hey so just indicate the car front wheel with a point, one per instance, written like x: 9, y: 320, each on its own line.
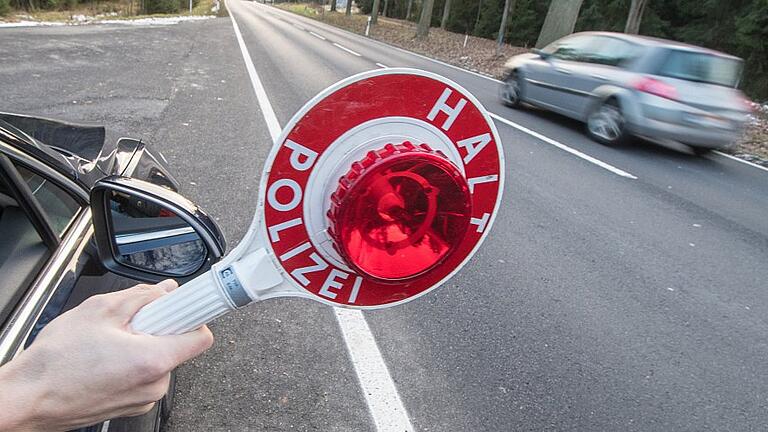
x: 606, y: 124
x: 511, y: 91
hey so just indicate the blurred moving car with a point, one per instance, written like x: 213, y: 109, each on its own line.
x: 627, y: 85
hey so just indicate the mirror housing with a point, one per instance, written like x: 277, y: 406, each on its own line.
x: 542, y: 54
x: 147, y: 232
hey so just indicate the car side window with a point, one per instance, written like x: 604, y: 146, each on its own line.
x: 60, y: 207
x: 574, y: 48
x: 23, y: 251
x: 610, y: 51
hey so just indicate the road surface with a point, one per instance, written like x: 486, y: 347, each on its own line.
x: 621, y: 289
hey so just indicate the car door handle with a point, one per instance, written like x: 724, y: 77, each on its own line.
x: 600, y: 77
x: 565, y: 71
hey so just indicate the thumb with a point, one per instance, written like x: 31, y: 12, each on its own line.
x: 180, y: 348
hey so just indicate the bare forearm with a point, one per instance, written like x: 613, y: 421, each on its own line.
x: 18, y: 399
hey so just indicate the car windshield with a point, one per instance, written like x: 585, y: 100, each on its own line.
x: 702, y: 67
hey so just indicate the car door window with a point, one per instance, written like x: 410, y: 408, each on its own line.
x: 59, y: 206
x: 572, y: 49
x: 610, y: 51
x: 22, y: 249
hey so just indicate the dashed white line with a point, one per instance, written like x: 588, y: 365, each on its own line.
x: 292, y: 15
x: 741, y: 160
x: 298, y: 26
x: 381, y: 396
x: 564, y: 147
x: 382, y: 65
x: 346, y: 49
x: 316, y: 35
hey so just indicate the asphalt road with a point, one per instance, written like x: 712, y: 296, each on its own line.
x: 599, y: 302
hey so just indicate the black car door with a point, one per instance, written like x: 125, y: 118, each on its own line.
x: 47, y: 257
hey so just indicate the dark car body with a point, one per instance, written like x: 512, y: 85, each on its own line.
x: 49, y: 260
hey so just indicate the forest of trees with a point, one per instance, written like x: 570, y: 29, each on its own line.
x: 738, y: 27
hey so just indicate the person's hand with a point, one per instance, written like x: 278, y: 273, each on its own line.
x: 88, y: 365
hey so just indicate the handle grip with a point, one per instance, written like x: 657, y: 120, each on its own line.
x: 184, y: 309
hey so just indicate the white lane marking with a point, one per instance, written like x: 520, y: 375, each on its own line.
x: 298, y: 27
x: 741, y: 160
x: 316, y: 35
x: 380, y: 393
x: 330, y: 28
x: 346, y: 49
x: 384, y: 403
x: 562, y: 146
x: 261, y: 95
x: 382, y: 65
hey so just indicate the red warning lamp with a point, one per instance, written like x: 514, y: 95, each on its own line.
x: 399, y: 212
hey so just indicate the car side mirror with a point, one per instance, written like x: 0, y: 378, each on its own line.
x: 148, y: 232
x: 542, y: 54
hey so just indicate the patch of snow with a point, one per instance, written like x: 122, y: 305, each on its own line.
x: 85, y: 19
x: 25, y: 23
x: 81, y: 18
x: 156, y: 20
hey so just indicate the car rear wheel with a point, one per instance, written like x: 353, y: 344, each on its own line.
x: 701, y: 151
x: 606, y: 124
x: 511, y: 94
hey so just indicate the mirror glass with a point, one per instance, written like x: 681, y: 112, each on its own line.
x: 147, y: 236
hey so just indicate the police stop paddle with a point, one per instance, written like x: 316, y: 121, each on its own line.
x: 377, y: 191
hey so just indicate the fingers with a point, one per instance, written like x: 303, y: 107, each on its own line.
x: 168, y: 285
x: 133, y: 299
x: 136, y: 410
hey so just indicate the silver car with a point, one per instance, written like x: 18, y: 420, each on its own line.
x: 626, y: 85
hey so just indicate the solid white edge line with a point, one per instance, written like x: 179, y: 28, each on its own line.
x: 381, y: 65
x: 564, y: 147
x: 741, y: 160
x: 381, y: 396
x: 346, y: 49
x: 387, y: 409
x: 261, y: 95
x: 316, y: 35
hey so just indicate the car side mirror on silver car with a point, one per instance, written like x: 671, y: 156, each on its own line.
x: 148, y: 232
x: 542, y: 54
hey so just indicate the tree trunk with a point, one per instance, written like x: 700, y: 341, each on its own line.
x: 333, y: 5
x: 375, y: 11
x: 509, y: 6
x: 408, y: 11
x: 422, y: 31
x: 477, y: 20
x: 446, y: 14
x: 560, y: 20
x: 349, y: 7
x: 386, y: 7
x: 636, y: 10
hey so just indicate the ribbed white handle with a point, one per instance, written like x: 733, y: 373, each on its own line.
x: 184, y: 309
